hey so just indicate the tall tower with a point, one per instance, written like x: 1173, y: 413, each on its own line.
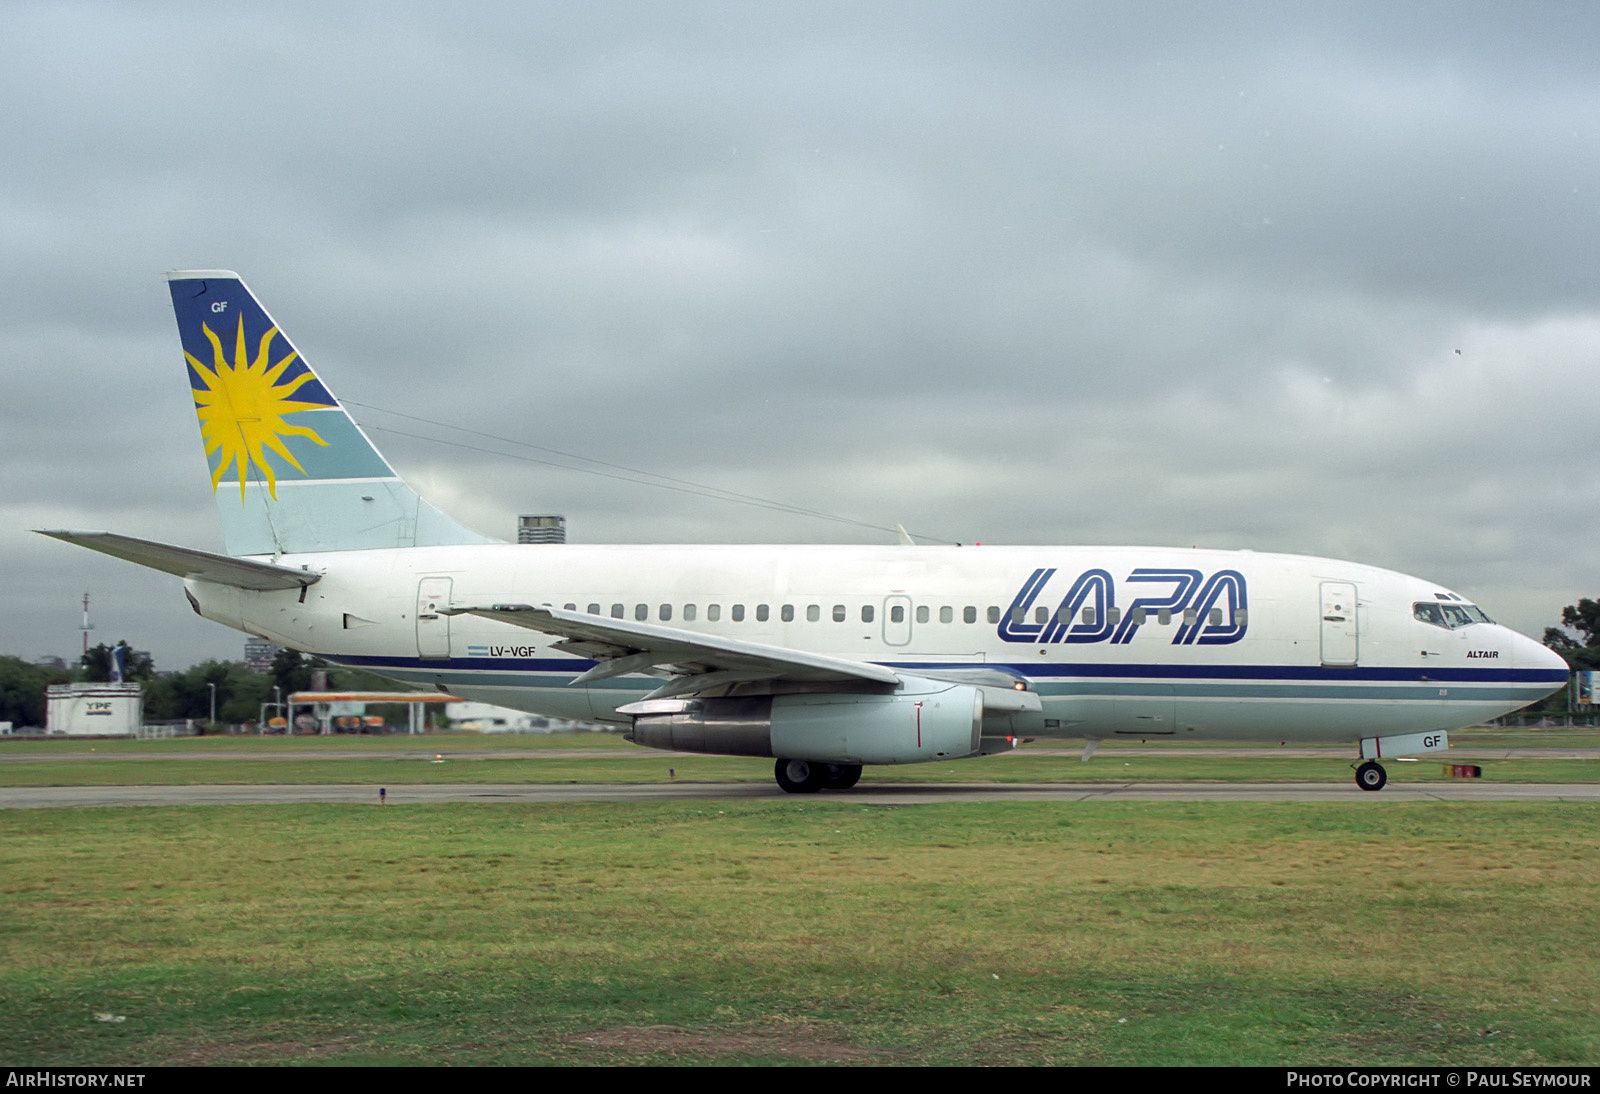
x: 87, y: 626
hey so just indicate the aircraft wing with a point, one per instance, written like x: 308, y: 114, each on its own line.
x: 692, y: 661
x: 241, y: 573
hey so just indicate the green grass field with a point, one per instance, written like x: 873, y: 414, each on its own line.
x: 801, y: 932
x: 607, y: 758
x: 791, y: 931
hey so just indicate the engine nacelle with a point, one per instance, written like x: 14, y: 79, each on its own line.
x: 910, y: 726
x: 926, y: 720
x: 740, y: 726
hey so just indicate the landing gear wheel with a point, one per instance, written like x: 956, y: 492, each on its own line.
x: 1371, y: 776
x: 800, y: 776
x: 840, y: 776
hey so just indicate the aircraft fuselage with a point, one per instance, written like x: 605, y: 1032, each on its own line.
x: 1115, y: 641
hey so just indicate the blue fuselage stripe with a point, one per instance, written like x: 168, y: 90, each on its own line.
x: 1065, y: 679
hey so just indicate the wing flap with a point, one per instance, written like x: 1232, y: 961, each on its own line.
x: 696, y: 660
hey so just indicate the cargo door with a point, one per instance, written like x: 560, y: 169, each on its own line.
x: 433, y: 626
x: 1149, y: 711
x: 1338, y: 623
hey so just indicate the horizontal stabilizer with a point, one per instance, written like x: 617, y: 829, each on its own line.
x: 241, y: 573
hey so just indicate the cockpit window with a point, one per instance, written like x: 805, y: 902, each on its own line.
x: 1428, y: 613
x: 1450, y: 616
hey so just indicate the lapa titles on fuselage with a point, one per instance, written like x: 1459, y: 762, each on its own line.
x: 1212, y: 611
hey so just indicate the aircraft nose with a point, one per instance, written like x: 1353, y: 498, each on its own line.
x: 1528, y: 654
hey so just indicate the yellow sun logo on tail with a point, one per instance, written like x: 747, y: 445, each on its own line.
x: 243, y: 408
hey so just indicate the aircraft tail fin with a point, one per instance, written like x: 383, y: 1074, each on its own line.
x: 291, y: 470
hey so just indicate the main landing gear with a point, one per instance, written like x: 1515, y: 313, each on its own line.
x: 1371, y: 776
x: 808, y: 776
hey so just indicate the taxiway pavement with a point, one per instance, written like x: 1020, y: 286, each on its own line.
x: 45, y: 797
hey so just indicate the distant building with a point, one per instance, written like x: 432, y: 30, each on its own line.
x: 484, y: 718
x: 546, y: 529
x: 49, y: 662
x: 258, y: 654
x: 94, y: 710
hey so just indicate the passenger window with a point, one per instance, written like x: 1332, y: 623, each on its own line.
x: 738, y: 613
x: 666, y: 613
x: 787, y: 613
x: 838, y: 613
x: 1040, y: 615
x: 897, y: 614
x: 570, y: 607
x: 1215, y: 617
x: 1164, y: 617
x: 594, y: 609
x: 688, y: 613
x: 969, y: 614
x: 813, y: 612
x: 1088, y: 617
x: 1113, y: 616
x: 1190, y: 617
x: 994, y: 614
x: 761, y: 613
x: 947, y: 614
x: 867, y: 614
x: 1136, y: 617
x: 713, y: 612
x: 616, y: 611
x: 641, y: 612
x: 922, y: 613
x: 1016, y: 616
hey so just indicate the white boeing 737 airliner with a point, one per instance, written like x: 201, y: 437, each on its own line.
x: 823, y: 658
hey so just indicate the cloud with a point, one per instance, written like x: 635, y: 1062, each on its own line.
x: 1036, y: 273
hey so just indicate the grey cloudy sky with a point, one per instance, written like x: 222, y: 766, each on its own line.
x: 1304, y: 277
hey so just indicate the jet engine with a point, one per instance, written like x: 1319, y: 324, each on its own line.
x: 925, y: 720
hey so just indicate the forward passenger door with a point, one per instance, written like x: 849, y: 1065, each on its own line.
x: 1339, y: 624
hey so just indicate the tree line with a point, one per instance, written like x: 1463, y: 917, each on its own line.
x: 1581, y: 653
x: 1583, y: 617
x: 171, y: 696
